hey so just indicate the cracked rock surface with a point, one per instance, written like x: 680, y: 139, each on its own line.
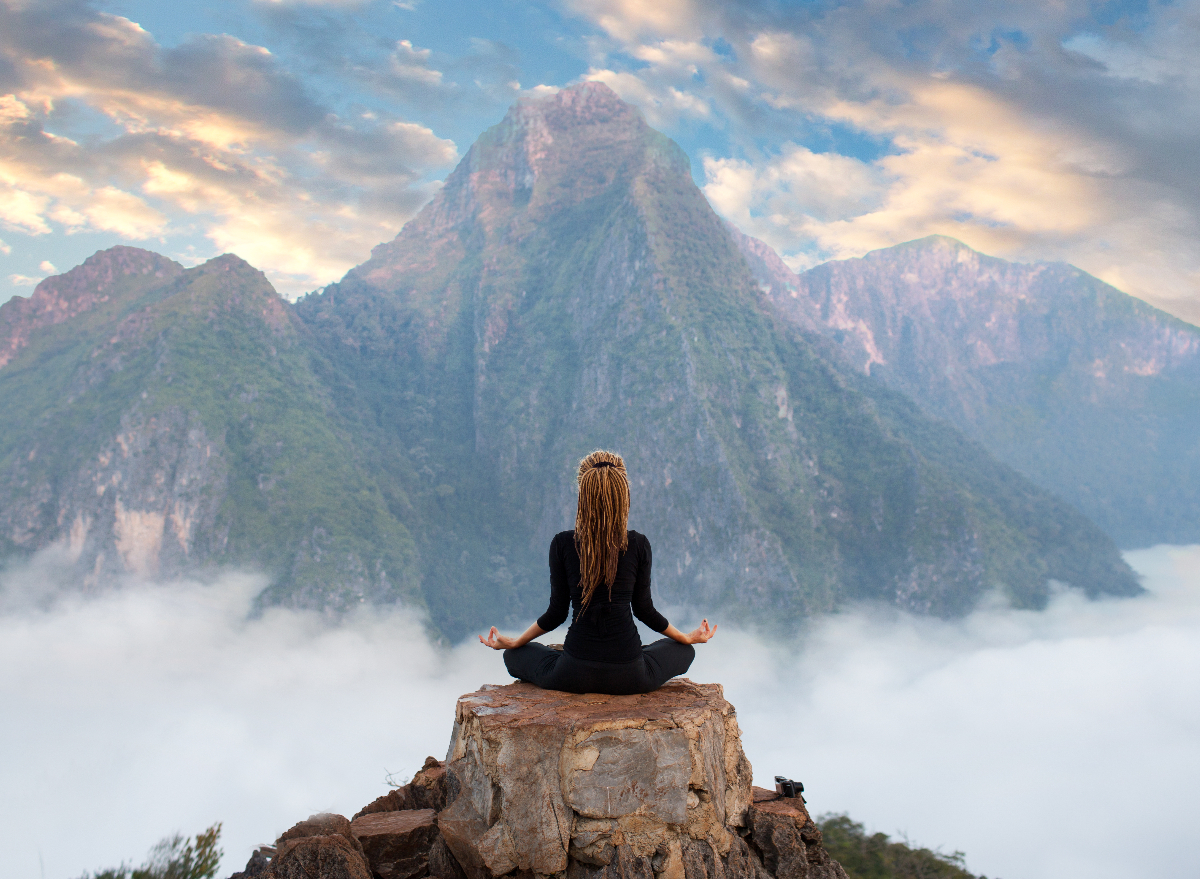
x: 541, y: 784
x: 539, y: 778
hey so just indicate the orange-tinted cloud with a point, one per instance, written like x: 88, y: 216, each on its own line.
x: 213, y: 134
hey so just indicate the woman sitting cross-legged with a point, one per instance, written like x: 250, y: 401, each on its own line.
x: 602, y: 572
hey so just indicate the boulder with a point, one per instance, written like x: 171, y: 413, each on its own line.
x: 320, y: 857
x: 539, y: 781
x: 323, y: 824
x: 321, y: 847
x: 397, y: 844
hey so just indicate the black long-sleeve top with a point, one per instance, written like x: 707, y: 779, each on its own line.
x: 605, y: 632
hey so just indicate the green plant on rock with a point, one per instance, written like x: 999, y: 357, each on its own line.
x: 876, y: 856
x: 174, y: 857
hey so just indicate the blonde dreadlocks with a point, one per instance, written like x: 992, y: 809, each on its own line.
x: 601, y: 520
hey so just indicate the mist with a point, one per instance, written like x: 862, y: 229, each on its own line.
x: 1059, y: 743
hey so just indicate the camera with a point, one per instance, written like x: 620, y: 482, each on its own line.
x: 785, y: 787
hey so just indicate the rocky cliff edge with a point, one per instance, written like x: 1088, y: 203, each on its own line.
x: 539, y: 783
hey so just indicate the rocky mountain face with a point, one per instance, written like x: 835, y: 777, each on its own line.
x: 411, y: 433
x: 1089, y: 392
x: 160, y: 420
x: 569, y: 288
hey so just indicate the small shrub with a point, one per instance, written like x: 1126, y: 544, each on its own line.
x: 174, y: 858
x: 875, y: 856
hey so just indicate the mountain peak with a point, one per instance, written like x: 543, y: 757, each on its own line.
x: 548, y: 153
x: 102, y: 269
x: 229, y: 262
x: 585, y: 103
x: 62, y: 297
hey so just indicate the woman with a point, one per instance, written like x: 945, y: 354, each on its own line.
x: 602, y: 572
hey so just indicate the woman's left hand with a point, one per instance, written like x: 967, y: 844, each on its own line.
x: 497, y: 641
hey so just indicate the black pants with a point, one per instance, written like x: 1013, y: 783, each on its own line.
x: 553, y: 669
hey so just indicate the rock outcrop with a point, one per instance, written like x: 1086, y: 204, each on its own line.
x: 539, y: 783
x: 538, y: 778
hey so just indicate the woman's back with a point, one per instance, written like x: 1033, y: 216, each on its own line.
x: 604, y: 631
x: 602, y: 570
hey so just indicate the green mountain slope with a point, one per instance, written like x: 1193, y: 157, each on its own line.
x: 1089, y: 392
x: 411, y: 432
x: 570, y: 288
x: 172, y: 421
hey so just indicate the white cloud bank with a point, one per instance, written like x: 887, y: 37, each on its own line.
x: 1065, y: 743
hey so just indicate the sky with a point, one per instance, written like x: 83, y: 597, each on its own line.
x: 1043, y: 745
x: 301, y: 133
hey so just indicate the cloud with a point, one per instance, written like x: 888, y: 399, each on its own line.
x: 213, y: 135
x: 23, y: 280
x: 1020, y: 737
x: 47, y: 267
x: 628, y: 20
x: 661, y: 107
x: 793, y: 198
x: 1027, y: 131
x: 4, y: 248
x: 412, y: 65
x: 170, y: 707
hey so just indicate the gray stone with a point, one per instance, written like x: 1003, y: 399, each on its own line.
x: 633, y: 770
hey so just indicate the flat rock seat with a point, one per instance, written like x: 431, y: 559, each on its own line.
x: 538, y: 778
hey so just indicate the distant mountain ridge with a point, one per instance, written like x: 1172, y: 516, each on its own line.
x: 1091, y: 393
x: 173, y: 422
x: 410, y: 433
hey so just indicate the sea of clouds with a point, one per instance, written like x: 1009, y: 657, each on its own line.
x: 1051, y: 744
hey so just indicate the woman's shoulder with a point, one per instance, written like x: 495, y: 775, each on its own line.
x: 636, y: 538
x: 563, y: 538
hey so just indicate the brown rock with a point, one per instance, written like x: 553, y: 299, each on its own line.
x: 320, y: 857
x: 700, y: 861
x: 539, y: 780
x: 442, y: 863
x: 393, y: 801
x: 427, y: 790
x: 788, y: 840
x: 324, y: 824
x: 428, y: 787
x: 258, y: 867
x: 743, y: 863
x: 397, y: 844
x: 624, y: 865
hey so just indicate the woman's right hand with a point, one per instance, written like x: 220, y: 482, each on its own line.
x: 497, y: 641
x: 702, y: 634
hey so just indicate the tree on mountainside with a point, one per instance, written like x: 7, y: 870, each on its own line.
x: 174, y: 858
x: 875, y: 856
